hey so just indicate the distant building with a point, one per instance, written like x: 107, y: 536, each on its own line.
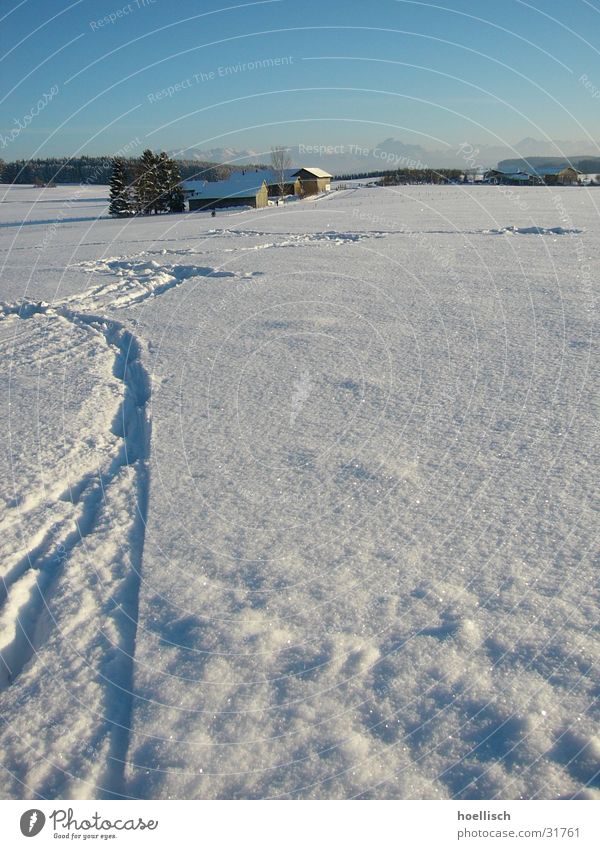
x: 254, y: 187
x: 243, y: 188
x: 508, y: 178
x: 559, y: 176
x: 474, y: 175
x: 543, y: 176
x: 313, y: 181
x: 291, y: 183
x: 298, y: 182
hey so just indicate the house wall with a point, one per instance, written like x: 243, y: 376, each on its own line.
x: 289, y: 189
x: 567, y: 177
x: 311, y: 185
x: 219, y: 203
x: 260, y: 199
x: 314, y: 185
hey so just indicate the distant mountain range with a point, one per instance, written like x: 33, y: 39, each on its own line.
x: 344, y: 159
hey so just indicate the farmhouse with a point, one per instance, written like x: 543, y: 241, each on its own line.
x: 291, y: 185
x: 559, y: 176
x: 511, y: 178
x: 305, y: 181
x: 254, y: 187
x: 544, y: 176
x: 297, y: 182
x: 313, y: 181
x: 243, y: 188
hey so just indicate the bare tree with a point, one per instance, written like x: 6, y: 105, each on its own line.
x: 280, y: 162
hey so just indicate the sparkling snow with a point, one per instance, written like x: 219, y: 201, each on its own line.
x: 302, y: 501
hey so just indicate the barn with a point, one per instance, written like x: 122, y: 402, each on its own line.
x: 548, y: 176
x: 243, y: 188
x: 313, y: 181
x: 305, y: 181
x: 254, y: 187
x: 508, y: 178
x: 291, y: 183
x: 559, y: 175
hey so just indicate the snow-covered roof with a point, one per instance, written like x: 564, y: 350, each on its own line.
x: 245, y: 183
x: 317, y: 172
x: 272, y: 177
x: 512, y: 175
x: 239, y: 184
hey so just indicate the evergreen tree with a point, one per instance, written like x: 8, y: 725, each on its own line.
x: 120, y: 204
x: 163, y: 180
x: 171, y: 197
x: 146, y: 187
x: 176, y: 200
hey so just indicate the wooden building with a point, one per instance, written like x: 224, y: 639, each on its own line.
x: 241, y: 189
x: 254, y: 187
x: 559, y: 176
x: 313, y: 181
x: 545, y: 176
x: 510, y: 178
x: 291, y: 183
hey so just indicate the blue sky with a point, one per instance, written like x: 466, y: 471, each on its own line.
x: 326, y: 72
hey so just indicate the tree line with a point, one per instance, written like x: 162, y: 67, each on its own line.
x: 151, y: 184
x: 95, y: 170
x: 399, y: 176
x: 403, y: 176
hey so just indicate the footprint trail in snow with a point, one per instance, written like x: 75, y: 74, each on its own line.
x: 73, y: 533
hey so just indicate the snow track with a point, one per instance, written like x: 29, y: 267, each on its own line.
x: 139, y: 280
x: 368, y: 567
x: 86, y: 549
x: 71, y: 578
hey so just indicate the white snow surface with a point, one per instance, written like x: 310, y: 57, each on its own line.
x: 301, y: 502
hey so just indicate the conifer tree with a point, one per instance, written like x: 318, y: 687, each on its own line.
x: 169, y: 180
x: 120, y: 204
x: 163, y: 180
x: 146, y: 188
x: 176, y: 200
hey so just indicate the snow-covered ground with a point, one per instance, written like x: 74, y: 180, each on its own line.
x: 301, y: 502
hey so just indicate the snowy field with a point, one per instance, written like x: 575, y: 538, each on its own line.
x: 301, y: 502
